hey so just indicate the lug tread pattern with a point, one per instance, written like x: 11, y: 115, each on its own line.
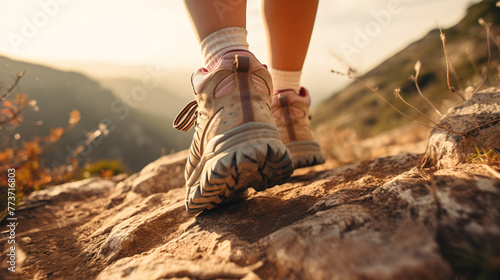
x: 259, y: 166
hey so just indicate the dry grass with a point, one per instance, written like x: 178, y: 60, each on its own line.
x: 350, y: 152
x: 343, y: 146
x: 340, y: 146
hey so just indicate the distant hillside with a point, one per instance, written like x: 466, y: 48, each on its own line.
x: 160, y: 99
x: 137, y: 138
x: 358, y: 108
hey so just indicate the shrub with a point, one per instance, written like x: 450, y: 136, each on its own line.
x: 24, y: 156
x: 105, y: 168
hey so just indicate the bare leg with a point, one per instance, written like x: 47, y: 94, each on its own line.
x: 289, y: 25
x: 208, y: 16
x: 226, y: 123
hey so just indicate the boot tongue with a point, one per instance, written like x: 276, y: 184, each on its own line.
x: 282, y: 91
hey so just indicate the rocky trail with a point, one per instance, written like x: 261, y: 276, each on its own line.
x: 383, y: 218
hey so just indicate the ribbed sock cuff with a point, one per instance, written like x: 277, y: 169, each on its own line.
x: 286, y: 79
x: 222, y: 41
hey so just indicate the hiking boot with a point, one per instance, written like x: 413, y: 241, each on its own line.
x: 236, y: 144
x: 291, y: 113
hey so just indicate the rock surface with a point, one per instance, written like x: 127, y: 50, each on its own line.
x: 385, y: 218
x: 446, y: 149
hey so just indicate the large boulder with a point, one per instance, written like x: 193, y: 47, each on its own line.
x: 479, y: 118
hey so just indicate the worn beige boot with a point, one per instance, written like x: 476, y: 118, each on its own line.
x: 236, y: 144
x: 291, y: 112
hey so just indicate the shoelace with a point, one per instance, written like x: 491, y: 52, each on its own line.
x: 187, y: 117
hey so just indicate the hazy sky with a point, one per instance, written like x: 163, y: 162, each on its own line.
x: 70, y: 33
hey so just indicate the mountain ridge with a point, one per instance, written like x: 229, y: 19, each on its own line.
x: 357, y: 108
x: 138, y: 137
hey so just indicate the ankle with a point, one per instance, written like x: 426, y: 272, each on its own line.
x: 215, y: 45
x: 286, y: 79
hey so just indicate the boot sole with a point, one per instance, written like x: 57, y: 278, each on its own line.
x: 305, y: 153
x: 250, y: 155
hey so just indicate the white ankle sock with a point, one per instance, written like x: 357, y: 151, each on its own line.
x: 221, y: 41
x: 286, y: 79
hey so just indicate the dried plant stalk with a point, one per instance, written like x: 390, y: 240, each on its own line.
x: 11, y: 88
x: 448, y: 66
x: 418, y: 65
x: 349, y: 74
x: 487, y: 26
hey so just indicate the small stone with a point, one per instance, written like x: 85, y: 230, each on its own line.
x: 26, y: 240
